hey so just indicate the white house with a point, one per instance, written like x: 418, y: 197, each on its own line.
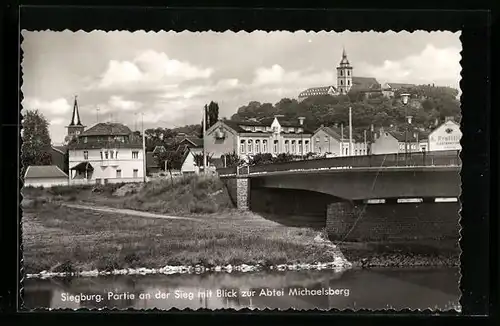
x: 189, y: 163
x: 446, y: 137
x: 106, y: 152
x: 45, y: 176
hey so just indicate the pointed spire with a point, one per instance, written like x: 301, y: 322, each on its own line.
x: 344, y: 55
x: 76, y: 114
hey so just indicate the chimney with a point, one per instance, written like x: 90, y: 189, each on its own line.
x: 301, y: 120
x: 449, y: 118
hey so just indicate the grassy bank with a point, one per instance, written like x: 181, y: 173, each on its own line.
x: 181, y: 196
x: 61, y: 239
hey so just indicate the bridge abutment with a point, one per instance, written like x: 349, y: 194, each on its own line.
x: 242, y: 193
x: 340, y: 219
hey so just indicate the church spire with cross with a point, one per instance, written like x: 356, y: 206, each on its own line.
x: 75, y: 126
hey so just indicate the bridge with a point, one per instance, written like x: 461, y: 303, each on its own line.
x: 339, y: 188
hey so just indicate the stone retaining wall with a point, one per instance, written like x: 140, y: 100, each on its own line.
x: 350, y: 222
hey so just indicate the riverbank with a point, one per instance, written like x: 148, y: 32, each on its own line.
x: 61, y: 239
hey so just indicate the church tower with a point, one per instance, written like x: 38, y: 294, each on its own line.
x: 75, y: 127
x: 344, y: 75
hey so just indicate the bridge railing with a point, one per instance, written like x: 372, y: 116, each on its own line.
x: 438, y: 158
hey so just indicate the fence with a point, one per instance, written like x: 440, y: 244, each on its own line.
x: 438, y: 158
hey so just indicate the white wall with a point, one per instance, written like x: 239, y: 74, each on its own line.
x: 441, y: 140
x: 107, y: 168
x: 45, y: 182
x: 189, y: 164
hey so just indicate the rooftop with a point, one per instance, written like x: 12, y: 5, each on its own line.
x: 107, y: 129
x: 44, y: 171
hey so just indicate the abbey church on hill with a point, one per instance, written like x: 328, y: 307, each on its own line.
x: 346, y: 82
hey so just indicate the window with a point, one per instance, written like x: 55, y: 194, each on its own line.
x: 293, y: 146
x: 135, y: 154
x: 101, y: 155
x: 306, y: 146
x: 317, y: 139
x: 300, y: 146
x: 250, y: 146
x: 341, y: 73
x: 257, y: 146
x: 355, y: 152
x: 348, y: 82
x: 106, y: 154
x: 341, y: 82
x: 287, y: 149
x: 135, y: 173
x: 85, y: 155
x: 85, y: 140
x: 116, y: 155
x: 348, y: 73
x: 326, y: 139
x: 276, y: 146
x: 119, y: 173
x: 242, y: 146
x: 264, y: 146
x: 112, y: 153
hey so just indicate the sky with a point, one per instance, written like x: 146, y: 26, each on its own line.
x: 164, y: 79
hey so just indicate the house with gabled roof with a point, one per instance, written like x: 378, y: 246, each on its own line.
x: 108, y: 152
x: 45, y: 176
x: 274, y: 135
x: 392, y: 141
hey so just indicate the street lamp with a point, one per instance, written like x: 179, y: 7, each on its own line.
x: 404, y: 99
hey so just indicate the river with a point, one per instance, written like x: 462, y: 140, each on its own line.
x: 436, y: 288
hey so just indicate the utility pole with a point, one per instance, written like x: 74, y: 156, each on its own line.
x: 350, y: 131
x: 143, y: 150
x: 366, y: 146
x: 341, y: 139
x: 204, y: 129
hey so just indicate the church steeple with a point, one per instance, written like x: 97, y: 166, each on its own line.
x: 75, y: 126
x: 344, y: 74
x: 76, y: 114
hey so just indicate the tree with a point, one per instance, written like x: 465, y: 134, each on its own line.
x: 36, y: 146
x: 212, y: 114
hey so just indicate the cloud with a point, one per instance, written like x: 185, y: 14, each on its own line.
x: 58, y: 106
x: 57, y: 121
x: 117, y: 102
x: 148, y: 70
x: 432, y: 65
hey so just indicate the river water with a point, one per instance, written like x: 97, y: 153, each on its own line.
x: 436, y: 288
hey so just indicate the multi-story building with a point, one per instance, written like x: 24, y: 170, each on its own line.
x: 106, y: 152
x: 391, y: 142
x: 331, y: 140
x: 271, y: 135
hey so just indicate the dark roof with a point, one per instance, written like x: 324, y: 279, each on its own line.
x: 61, y: 149
x: 323, y: 90
x: 152, y: 160
x: 195, y: 141
x: 82, y: 166
x: 44, y: 171
x: 365, y: 84
x: 107, y: 129
x: 400, y: 85
x: 329, y: 131
x: 159, y: 149
x: 400, y: 136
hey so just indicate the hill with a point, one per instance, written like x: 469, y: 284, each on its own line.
x: 428, y: 105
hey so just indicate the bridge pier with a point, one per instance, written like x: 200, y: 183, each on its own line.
x: 341, y: 218
x: 242, y: 193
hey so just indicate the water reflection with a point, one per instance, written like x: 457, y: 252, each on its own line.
x: 355, y: 289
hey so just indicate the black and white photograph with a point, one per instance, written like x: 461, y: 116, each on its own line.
x: 241, y: 170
